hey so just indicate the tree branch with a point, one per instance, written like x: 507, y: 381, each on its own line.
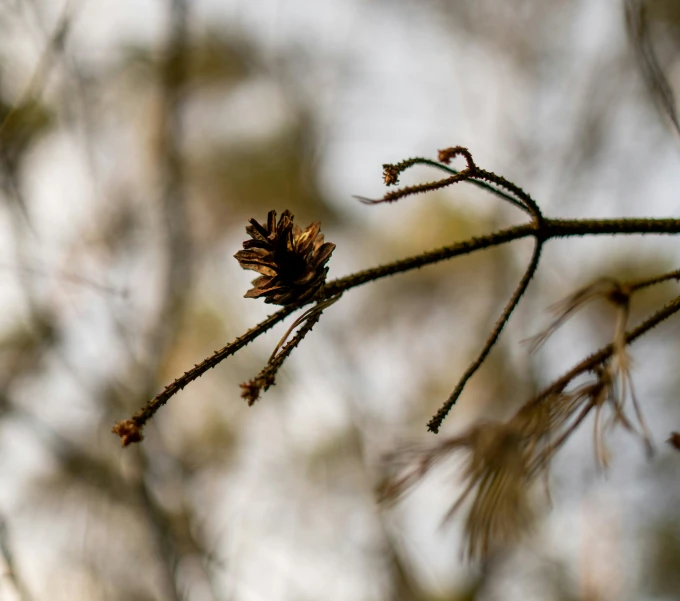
x: 541, y: 229
x: 597, y: 358
x: 130, y: 429
x: 439, y: 417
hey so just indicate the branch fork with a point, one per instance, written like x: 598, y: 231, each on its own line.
x: 276, y: 247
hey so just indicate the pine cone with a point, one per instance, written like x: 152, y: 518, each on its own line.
x: 291, y: 261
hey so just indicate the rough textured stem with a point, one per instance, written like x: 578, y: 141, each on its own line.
x: 591, y: 362
x: 547, y: 229
x: 143, y: 415
x: 562, y: 228
x: 479, y: 183
x: 267, y: 376
x: 542, y: 229
x: 435, y: 423
x: 428, y: 258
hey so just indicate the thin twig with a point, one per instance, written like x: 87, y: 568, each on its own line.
x: 671, y: 275
x: 267, y: 377
x: 540, y: 228
x: 393, y: 171
x: 316, y: 309
x: 473, y: 173
x: 461, y: 176
x: 479, y: 183
x: 130, y: 430
x: 597, y: 358
x: 437, y: 420
x: 530, y: 203
x: 546, y: 229
x: 448, y: 154
x: 465, y: 247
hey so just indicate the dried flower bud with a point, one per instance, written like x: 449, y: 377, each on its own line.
x: 390, y: 174
x: 292, y: 261
x: 129, y: 432
x: 446, y: 155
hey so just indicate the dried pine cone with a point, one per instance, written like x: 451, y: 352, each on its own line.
x: 291, y: 261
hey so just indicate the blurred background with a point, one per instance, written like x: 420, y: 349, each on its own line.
x: 137, y: 138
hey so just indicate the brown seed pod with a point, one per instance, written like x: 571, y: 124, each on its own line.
x: 291, y: 260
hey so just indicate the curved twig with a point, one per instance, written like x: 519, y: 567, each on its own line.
x: 529, y: 202
x: 540, y: 228
x: 130, y: 430
x: 461, y: 176
x: 267, y: 377
x: 448, y: 154
x: 472, y: 173
x: 435, y: 423
x: 392, y: 172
